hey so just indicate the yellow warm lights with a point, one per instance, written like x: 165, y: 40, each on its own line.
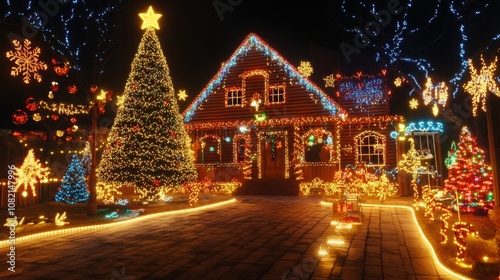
x: 26, y: 60
x: 305, y: 68
x: 30, y: 172
x: 435, y: 110
x: 182, y: 95
x: 329, y: 81
x: 140, y: 220
x: 397, y: 82
x: 481, y: 83
x: 437, y: 93
x: 424, y: 238
x: 150, y: 19
x: 413, y: 104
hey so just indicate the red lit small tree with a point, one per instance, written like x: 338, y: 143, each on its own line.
x: 470, y: 175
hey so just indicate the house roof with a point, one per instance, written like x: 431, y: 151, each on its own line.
x: 252, y: 41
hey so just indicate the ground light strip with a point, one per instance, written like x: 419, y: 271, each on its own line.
x: 112, y: 224
x: 436, y: 260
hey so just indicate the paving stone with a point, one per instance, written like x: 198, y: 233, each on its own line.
x: 253, y: 238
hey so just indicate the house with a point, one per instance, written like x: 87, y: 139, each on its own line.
x: 261, y: 122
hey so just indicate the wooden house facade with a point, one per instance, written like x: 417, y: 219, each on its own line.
x: 261, y: 122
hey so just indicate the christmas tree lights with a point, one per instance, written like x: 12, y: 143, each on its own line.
x: 30, y: 173
x: 148, y: 146
x: 470, y: 176
x: 73, y: 188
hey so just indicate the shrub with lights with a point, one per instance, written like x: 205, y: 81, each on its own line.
x: 353, y: 180
x: 73, y: 188
x: 469, y: 176
x: 148, y: 146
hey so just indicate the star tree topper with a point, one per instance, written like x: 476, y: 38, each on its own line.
x: 150, y: 19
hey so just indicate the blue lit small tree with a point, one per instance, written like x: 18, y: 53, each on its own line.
x: 73, y: 188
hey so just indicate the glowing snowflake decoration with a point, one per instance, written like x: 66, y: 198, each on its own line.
x: 329, y: 81
x: 26, y: 61
x: 182, y: 95
x: 305, y: 68
x: 30, y: 172
x: 413, y: 104
x: 480, y: 83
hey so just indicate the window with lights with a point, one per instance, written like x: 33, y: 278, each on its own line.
x: 234, y: 97
x: 370, y: 148
x: 276, y: 95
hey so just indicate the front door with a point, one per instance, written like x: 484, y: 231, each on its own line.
x: 273, y: 159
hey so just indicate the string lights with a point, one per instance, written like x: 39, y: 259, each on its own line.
x: 461, y: 230
x: 481, y: 83
x: 411, y: 164
x: 26, y: 60
x: 305, y: 68
x: 363, y: 91
x: 329, y: 81
x: 30, y: 173
x: 435, y: 93
x: 470, y: 175
x: 64, y: 109
x: 148, y: 146
x: 253, y: 42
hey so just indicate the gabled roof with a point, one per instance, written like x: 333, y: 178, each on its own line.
x: 252, y: 41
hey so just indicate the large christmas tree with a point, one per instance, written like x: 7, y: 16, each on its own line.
x: 73, y: 188
x: 469, y: 175
x: 148, y: 146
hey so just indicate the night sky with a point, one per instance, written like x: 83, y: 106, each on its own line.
x: 196, y: 39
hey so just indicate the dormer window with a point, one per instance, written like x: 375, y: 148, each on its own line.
x: 234, y: 97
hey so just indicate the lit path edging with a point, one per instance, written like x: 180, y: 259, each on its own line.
x: 35, y: 236
x: 436, y: 259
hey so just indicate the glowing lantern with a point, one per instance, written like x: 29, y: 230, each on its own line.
x: 19, y: 117
x: 59, y: 133
x: 31, y: 104
x: 69, y: 138
x: 54, y: 87
x: 51, y: 95
x: 55, y: 117
x: 72, y: 89
x: 93, y: 88
x: 37, y: 117
x: 73, y: 120
x: 60, y: 68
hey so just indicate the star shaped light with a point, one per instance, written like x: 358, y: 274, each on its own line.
x: 150, y: 19
x: 329, y: 81
x: 182, y: 95
x: 481, y: 83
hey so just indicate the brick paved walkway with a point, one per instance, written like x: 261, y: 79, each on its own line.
x: 253, y: 238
